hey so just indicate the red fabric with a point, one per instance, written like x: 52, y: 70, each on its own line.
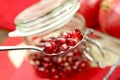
x: 6, y: 67
x: 26, y: 71
x: 9, y: 9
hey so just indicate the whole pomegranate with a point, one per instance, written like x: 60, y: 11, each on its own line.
x: 109, y: 17
x: 90, y: 10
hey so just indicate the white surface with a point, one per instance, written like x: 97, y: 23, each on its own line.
x: 17, y: 57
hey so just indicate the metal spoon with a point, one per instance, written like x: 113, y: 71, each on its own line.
x: 5, y: 48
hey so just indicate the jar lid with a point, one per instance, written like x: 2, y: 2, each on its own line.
x: 37, y: 10
x: 59, y: 13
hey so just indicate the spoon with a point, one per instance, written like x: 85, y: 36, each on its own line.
x: 4, y: 48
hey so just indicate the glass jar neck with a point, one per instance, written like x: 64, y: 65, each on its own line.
x: 52, y: 20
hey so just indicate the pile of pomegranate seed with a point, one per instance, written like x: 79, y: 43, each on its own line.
x: 63, y: 65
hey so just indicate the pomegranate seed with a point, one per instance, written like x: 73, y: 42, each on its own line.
x: 34, y: 56
x: 66, y: 64
x: 48, y: 48
x: 67, y: 70
x: 43, y: 72
x: 56, y: 49
x: 77, y: 34
x: 32, y: 62
x: 70, y: 54
x: 60, y: 41
x: 37, y: 62
x: 56, y: 77
x: 54, y: 71
x: 51, y: 39
x: 77, y: 52
x: 83, y: 64
x: 77, y: 63
x: 54, y: 58
x: 70, y: 59
x: 75, y: 67
x: 71, y: 41
x: 46, y: 59
x: 66, y: 35
x: 59, y: 60
x: 64, y: 47
x: 64, y: 58
x: 47, y: 65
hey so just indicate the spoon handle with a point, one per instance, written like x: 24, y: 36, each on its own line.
x: 4, y: 48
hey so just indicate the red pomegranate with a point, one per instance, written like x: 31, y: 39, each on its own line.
x: 109, y: 17
x: 90, y: 10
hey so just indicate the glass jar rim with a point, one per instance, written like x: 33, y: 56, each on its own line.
x: 58, y: 16
x: 54, y: 12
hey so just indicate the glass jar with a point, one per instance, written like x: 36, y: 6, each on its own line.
x: 58, y: 32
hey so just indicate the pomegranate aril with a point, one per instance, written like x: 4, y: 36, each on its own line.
x: 56, y: 49
x: 83, y: 64
x: 71, y: 41
x: 75, y: 67
x: 67, y: 70
x: 57, y: 61
x: 66, y: 35
x: 47, y: 65
x: 77, y: 34
x: 34, y: 56
x: 54, y: 71
x: 70, y: 59
x: 60, y: 41
x: 48, y: 48
x: 64, y: 47
x: 56, y: 77
x: 66, y: 64
x: 33, y: 63
x: 51, y: 39
x: 46, y: 58
x: 37, y: 62
x: 76, y: 58
x: 64, y: 58
x: 77, y: 63
x: 77, y: 52
x: 70, y: 53
x: 43, y: 72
